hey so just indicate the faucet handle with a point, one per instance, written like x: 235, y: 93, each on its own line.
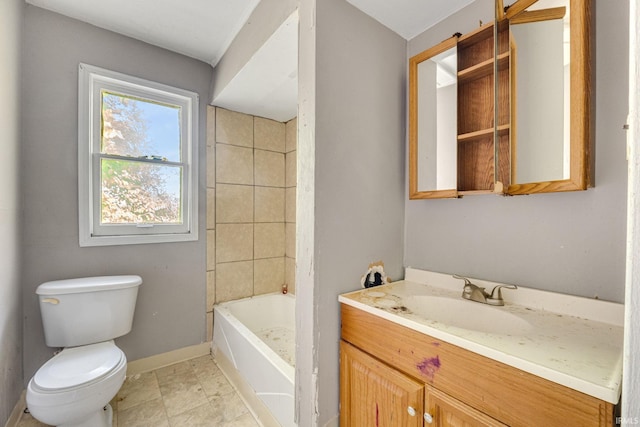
x: 466, y: 281
x: 469, y: 288
x: 496, y: 294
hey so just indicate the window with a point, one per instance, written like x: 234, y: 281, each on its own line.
x: 137, y: 177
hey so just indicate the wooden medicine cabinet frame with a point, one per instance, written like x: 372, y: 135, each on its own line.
x: 580, y: 140
x: 414, y: 192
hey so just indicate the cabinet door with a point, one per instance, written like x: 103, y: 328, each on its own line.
x: 443, y: 410
x: 373, y: 394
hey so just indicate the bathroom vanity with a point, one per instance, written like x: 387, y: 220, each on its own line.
x: 415, y: 353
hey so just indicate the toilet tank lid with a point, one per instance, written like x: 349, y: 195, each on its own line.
x: 88, y: 284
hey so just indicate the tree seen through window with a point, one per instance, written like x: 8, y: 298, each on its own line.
x: 139, y: 141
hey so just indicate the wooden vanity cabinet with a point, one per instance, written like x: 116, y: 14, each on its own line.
x: 375, y: 394
x: 386, y: 369
x: 445, y: 411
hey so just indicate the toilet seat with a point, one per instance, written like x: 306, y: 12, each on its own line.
x: 78, y: 367
x: 74, y: 386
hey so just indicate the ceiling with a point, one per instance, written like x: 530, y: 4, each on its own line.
x: 204, y: 29
x: 409, y: 17
x: 201, y: 29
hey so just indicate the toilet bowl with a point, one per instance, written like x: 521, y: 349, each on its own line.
x: 74, y: 387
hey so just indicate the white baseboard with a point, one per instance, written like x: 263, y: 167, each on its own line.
x: 17, y: 412
x: 165, y: 359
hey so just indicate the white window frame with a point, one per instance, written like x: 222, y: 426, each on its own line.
x: 91, y: 81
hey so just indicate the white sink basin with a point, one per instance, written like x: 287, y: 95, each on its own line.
x: 465, y: 314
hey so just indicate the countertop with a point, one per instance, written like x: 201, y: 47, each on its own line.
x: 573, y: 341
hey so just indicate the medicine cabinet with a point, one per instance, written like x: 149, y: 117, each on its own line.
x: 528, y: 71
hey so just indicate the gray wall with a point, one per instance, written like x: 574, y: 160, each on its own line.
x: 170, y: 312
x: 564, y: 242
x: 359, y: 176
x: 11, y: 20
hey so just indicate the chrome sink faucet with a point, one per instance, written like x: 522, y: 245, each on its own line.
x: 479, y: 294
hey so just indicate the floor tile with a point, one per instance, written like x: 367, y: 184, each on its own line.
x: 201, y: 416
x: 137, y: 389
x: 168, y: 373
x: 187, y: 394
x: 215, y: 385
x: 181, y: 393
x: 245, y: 420
x: 204, y: 366
x: 229, y: 405
x: 147, y: 414
x: 27, y: 420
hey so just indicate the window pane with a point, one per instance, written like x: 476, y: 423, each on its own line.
x: 137, y: 127
x: 135, y: 192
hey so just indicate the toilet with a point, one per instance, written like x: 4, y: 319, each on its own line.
x: 84, y: 316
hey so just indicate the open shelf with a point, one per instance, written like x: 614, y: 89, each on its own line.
x: 483, y: 69
x: 478, y: 144
x: 473, y: 136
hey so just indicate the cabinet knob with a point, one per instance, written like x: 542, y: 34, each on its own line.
x: 428, y: 418
x: 411, y: 411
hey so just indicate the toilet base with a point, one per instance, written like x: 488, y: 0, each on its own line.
x: 101, y: 418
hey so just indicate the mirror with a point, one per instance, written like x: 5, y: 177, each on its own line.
x: 433, y: 111
x: 550, y: 95
x: 541, y: 95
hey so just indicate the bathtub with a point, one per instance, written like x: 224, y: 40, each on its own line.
x: 257, y: 335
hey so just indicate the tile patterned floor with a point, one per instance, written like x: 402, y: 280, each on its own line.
x: 194, y: 393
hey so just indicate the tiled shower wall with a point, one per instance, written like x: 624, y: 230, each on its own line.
x: 251, y: 187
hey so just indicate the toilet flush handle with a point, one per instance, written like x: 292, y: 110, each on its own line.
x: 53, y: 301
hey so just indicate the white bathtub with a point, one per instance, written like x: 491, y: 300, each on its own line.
x: 257, y: 335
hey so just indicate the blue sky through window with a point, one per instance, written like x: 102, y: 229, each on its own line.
x: 163, y: 124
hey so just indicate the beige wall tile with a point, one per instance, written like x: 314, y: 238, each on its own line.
x: 234, y: 128
x: 211, y: 208
x: 290, y: 274
x: 269, y: 204
x: 234, y: 242
x: 268, y: 134
x: 290, y: 204
x: 234, y: 165
x: 268, y: 275
x: 269, y: 168
x: 211, y: 250
x: 211, y: 125
x: 290, y: 239
x: 291, y: 135
x: 234, y: 203
x: 269, y: 240
x: 211, y: 290
x: 234, y: 280
x: 290, y: 166
x: 211, y: 166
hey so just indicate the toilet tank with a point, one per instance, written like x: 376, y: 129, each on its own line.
x: 87, y: 310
